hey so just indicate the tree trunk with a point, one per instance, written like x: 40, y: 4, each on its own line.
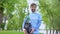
x: 59, y: 31
x: 1, y: 15
x: 50, y: 31
x: 1, y: 18
x: 53, y: 31
x: 46, y: 30
x: 56, y: 31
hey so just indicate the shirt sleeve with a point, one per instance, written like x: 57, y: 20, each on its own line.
x: 39, y: 21
x: 24, y: 22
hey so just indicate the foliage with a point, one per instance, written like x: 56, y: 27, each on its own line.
x: 13, y: 10
x: 50, y: 10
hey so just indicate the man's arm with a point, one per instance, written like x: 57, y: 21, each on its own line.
x: 39, y: 21
x: 24, y: 22
x: 24, y: 30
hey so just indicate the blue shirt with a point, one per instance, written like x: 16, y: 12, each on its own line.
x: 35, y: 20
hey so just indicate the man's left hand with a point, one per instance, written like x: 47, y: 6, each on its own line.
x: 32, y: 30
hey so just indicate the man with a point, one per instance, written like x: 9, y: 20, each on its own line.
x: 35, y: 20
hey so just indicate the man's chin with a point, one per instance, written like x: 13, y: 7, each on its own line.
x: 33, y: 11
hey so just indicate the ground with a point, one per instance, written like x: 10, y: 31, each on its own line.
x: 10, y: 32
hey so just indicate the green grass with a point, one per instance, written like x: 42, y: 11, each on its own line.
x: 10, y: 32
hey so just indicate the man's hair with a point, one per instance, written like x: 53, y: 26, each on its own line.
x: 33, y: 4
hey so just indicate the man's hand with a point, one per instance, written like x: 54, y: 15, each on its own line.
x: 24, y: 30
x: 32, y: 30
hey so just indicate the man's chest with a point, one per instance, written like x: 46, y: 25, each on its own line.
x: 33, y: 17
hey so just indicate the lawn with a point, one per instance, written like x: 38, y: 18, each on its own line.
x: 10, y: 32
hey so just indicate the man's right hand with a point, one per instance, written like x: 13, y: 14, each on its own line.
x: 24, y: 30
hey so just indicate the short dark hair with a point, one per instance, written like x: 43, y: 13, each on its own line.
x: 33, y: 4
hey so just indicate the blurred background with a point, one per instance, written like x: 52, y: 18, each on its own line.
x: 12, y: 13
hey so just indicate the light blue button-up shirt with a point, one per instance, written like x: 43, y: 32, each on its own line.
x: 35, y: 20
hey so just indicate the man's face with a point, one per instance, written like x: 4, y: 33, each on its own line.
x: 33, y: 8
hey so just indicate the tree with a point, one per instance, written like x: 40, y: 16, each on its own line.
x: 50, y: 10
x: 1, y: 14
x: 10, y: 6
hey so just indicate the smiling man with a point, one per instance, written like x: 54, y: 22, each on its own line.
x: 35, y: 20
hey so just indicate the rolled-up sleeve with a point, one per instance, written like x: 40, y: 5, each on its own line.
x: 39, y: 21
x: 24, y: 22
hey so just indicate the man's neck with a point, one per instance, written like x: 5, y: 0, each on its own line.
x: 34, y: 12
